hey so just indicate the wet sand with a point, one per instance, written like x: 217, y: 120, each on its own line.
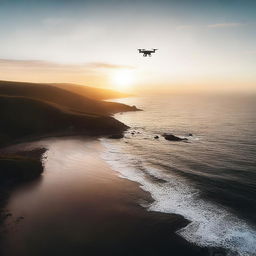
x: 81, y: 207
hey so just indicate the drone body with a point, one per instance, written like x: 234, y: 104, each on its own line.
x: 147, y: 52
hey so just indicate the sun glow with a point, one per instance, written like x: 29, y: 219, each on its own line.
x: 123, y: 78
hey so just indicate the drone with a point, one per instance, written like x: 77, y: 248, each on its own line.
x: 147, y: 52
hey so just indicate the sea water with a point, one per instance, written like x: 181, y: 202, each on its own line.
x: 210, y: 178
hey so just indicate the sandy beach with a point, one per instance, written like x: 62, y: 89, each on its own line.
x: 80, y: 206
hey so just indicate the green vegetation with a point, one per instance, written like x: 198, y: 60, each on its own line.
x: 30, y: 110
x: 16, y: 170
x: 23, y: 118
x: 65, y: 99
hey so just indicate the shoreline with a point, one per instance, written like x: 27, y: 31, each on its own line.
x: 129, y: 224
x: 65, y: 134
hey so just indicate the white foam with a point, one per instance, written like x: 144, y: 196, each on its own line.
x: 211, y: 224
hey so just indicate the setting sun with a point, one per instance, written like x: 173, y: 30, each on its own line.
x: 123, y: 79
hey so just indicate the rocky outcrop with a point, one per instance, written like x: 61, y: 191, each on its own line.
x: 171, y: 137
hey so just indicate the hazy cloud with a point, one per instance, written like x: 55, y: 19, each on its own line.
x: 216, y: 25
x: 39, y: 64
x: 225, y: 25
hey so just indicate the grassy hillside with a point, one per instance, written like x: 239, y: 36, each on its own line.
x: 23, y: 117
x: 15, y: 168
x: 63, y: 98
x: 30, y: 111
x: 91, y: 92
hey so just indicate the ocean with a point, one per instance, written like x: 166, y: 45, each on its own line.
x: 210, y: 179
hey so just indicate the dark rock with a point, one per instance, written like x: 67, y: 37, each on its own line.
x: 132, y: 133
x: 134, y: 108
x: 172, y: 137
x: 156, y: 137
x: 116, y: 136
x: 190, y: 134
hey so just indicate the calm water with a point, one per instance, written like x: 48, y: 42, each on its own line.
x: 211, y: 179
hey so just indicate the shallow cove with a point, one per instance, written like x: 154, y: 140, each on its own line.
x: 81, y: 207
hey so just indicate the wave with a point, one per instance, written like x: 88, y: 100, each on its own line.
x: 210, y: 225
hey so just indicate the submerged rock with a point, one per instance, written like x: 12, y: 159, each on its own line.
x: 171, y: 137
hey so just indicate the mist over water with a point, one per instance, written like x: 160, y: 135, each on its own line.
x: 211, y: 179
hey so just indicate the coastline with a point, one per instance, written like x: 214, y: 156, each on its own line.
x: 111, y: 218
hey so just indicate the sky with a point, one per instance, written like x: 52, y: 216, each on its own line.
x: 202, y: 45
